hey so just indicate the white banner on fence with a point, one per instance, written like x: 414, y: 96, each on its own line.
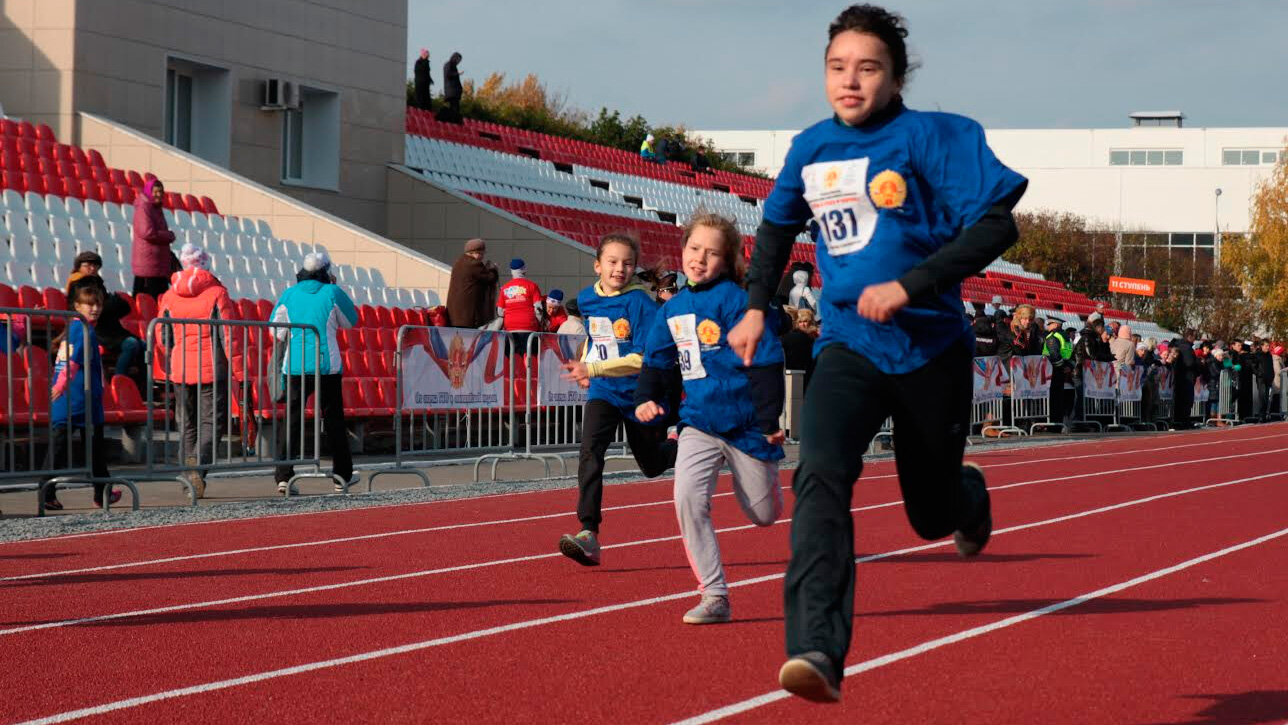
x: 990, y: 379
x: 1165, y: 383
x: 1030, y: 377
x: 447, y: 367
x: 1202, y: 393
x: 554, y: 351
x: 1131, y: 383
x: 1099, y: 380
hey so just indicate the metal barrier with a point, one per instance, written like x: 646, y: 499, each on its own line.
x: 1100, y: 396
x: 26, y: 372
x: 184, y: 433
x: 1130, y: 397
x: 1225, y: 403
x: 1031, y: 398
x: 452, y: 427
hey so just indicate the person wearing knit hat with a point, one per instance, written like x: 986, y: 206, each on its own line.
x: 556, y: 315
x: 151, y: 257
x: 199, y: 359
x: 317, y: 301
x: 519, y: 302
x: 86, y: 264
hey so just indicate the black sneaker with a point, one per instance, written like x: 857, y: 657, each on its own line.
x: 810, y: 676
x: 972, y: 539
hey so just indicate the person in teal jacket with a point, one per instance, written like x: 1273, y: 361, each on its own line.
x: 315, y: 300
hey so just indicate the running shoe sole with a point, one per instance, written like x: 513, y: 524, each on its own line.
x: 569, y: 547
x: 971, y: 546
x: 805, y: 680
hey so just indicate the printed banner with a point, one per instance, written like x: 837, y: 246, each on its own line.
x: 1129, y: 286
x: 990, y: 379
x: 1030, y: 377
x: 555, y: 351
x: 1202, y: 393
x: 452, y: 368
x: 1099, y: 380
x: 1165, y: 383
x: 1131, y: 383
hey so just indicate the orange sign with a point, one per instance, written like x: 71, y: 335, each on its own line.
x: 1129, y: 286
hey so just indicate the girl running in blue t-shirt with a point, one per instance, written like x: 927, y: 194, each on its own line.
x: 906, y: 205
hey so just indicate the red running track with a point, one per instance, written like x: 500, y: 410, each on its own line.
x: 532, y: 638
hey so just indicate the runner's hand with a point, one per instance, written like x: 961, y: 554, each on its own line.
x: 879, y: 302
x: 776, y: 438
x: 745, y: 335
x: 577, y: 372
x: 647, y: 411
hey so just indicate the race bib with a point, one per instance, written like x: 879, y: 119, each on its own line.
x: 688, y: 351
x: 837, y: 193
x: 603, y: 343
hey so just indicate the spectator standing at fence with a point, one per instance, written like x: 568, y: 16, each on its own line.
x: 1021, y: 337
x: 556, y: 315
x: 520, y: 304
x: 1266, y: 376
x: 202, y: 358
x: 927, y: 204
x: 151, y: 257
x: 1277, y: 364
x: 730, y: 411
x: 1185, y: 370
x: 1059, y: 351
x: 314, y: 300
x: 573, y: 325
x: 985, y: 331
x: 1218, y: 363
x: 1122, y: 348
x: 422, y: 82
x: 1245, y: 366
x: 798, y: 344
x: 452, y: 90
x: 76, y: 357
x: 619, y: 312
x: 470, y: 293
x: 667, y: 285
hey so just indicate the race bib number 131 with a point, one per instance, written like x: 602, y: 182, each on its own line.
x: 837, y: 193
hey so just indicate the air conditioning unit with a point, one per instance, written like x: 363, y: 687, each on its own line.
x: 292, y: 95
x: 274, y: 93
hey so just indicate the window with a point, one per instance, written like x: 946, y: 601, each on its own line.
x: 198, y: 109
x: 311, y: 140
x: 746, y: 158
x: 1146, y: 157
x: 1203, y: 239
x: 1250, y: 157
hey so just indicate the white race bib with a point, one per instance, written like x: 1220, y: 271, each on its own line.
x: 688, y: 352
x: 837, y: 192
x: 603, y: 343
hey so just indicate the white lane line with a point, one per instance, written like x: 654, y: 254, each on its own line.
x: 570, y: 616
x: 540, y: 517
x: 981, y: 455
x: 457, y: 568
x: 934, y: 644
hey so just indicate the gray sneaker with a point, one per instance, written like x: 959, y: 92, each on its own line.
x: 582, y: 548
x: 810, y: 676
x: 353, y: 481
x: 971, y: 539
x: 713, y: 609
x: 194, y: 477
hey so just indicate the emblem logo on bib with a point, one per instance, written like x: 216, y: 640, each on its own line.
x: 888, y: 190
x: 831, y: 177
x: 622, y: 329
x: 708, y: 332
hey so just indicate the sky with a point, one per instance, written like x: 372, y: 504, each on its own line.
x: 753, y: 64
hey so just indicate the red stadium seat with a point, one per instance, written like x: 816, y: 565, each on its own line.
x: 400, y: 317
x: 388, y: 397
x: 54, y: 299
x: 208, y: 205
x: 367, y: 316
x: 265, y: 309
x: 388, y: 340
x: 29, y: 297
x: 355, y: 364
x: 95, y: 158
x: 45, y: 133
x: 370, y: 397
x: 191, y: 203
x: 353, y: 403
x: 135, y: 181
x: 380, y: 364
x: 246, y: 310
x: 8, y: 297
x: 384, y: 317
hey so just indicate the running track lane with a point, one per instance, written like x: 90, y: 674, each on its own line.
x: 649, y: 632
x: 95, y: 593
x: 90, y: 550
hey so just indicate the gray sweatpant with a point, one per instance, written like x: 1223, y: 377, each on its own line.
x: 697, y: 468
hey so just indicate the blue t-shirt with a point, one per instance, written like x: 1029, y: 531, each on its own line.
x: 884, y: 197
x: 692, y: 330
x: 617, y: 326
x: 69, y: 408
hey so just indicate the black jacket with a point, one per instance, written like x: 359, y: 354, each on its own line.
x: 1186, y: 367
x: 1265, y: 367
x: 985, y: 335
x: 1009, y: 346
x: 452, y: 78
x: 798, y: 349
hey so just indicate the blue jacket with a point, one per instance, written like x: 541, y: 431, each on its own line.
x: 883, y: 197
x: 721, y: 396
x: 68, y: 409
x: 324, y: 306
x: 617, y: 325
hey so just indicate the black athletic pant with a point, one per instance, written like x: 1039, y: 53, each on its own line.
x: 1182, y: 402
x: 1059, y: 374
x: 58, y: 458
x: 847, y: 401
x: 649, y: 444
x: 331, y: 402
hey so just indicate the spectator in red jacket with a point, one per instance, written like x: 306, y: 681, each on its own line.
x: 151, y: 257
x: 519, y: 303
x: 200, y: 359
x: 556, y: 315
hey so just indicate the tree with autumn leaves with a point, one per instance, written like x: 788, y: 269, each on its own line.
x: 1257, y: 264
